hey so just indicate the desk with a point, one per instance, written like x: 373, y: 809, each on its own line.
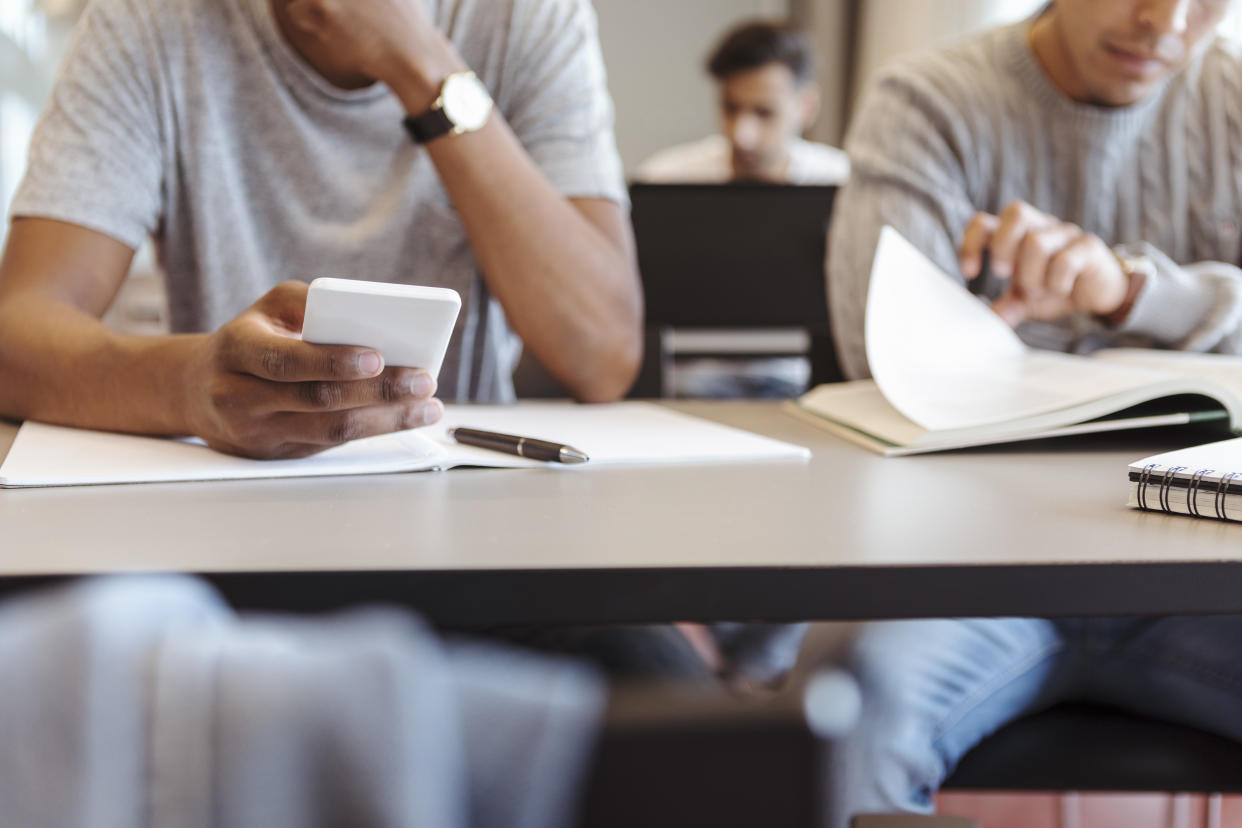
x: 1035, y: 530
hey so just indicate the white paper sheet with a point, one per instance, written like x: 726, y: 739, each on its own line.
x: 946, y: 361
x: 622, y: 433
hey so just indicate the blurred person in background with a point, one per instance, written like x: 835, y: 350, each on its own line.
x: 765, y: 77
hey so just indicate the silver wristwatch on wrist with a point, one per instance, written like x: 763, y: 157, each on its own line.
x: 463, y: 105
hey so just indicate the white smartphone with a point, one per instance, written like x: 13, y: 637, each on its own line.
x: 410, y: 325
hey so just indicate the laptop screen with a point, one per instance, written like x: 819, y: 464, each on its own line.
x: 733, y: 255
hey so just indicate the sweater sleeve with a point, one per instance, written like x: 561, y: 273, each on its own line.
x: 1196, y: 307
x: 907, y: 172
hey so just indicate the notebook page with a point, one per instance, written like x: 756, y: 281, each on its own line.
x: 48, y: 455
x: 1222, y: 457
x: 1224, y: 369
x: 615, y: 434
x: 946, y: 361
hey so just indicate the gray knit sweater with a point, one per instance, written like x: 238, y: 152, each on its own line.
x: 974, y: 127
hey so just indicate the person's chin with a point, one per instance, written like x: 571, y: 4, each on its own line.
x: 1127, y: 81
x: 756, y: 173
x: 1123, y: 93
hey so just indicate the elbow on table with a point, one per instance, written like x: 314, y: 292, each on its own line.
x: 609, y: 377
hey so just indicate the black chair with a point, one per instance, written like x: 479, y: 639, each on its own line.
x: 673, y: 756
x: 1082, y: 747
x: 1077, y: 747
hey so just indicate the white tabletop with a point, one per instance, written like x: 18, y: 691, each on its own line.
x: 850, y: 534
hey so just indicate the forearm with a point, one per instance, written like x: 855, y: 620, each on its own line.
x: 570, y: 292
x: 59, y: 364
x: 569, y: 288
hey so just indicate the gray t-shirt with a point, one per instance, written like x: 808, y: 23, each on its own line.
x: 978, y: 125
x: 195, y: 122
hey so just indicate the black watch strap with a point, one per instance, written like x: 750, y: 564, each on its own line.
x: 429, y: 125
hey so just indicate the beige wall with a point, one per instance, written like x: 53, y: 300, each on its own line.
x: 857, y: 37
x: 655, y: 49
x: 889, y: 28
x: 832, y: 24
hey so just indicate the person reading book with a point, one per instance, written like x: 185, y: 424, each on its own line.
x: 262, y: 141
x: 1091, y: 154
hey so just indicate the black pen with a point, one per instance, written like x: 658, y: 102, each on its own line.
x: 527, y: 447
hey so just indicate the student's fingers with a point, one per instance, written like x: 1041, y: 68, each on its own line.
x: 975, y: 240
x: 285, y: 304
x: 1068, y: 264
x: 1031, y: 276
x: 1101, y: 285
x: 394, y: 385
x: 246, y: 415
x: 332, y: 428
x: 1011, y: 308
x: 249, y: 346
x: 1016, y: 220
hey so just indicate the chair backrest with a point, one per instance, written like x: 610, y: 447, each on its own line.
x: 674, y: 755
x: 733, y: 256
x: 1083, y: 747
x: 670, y: 757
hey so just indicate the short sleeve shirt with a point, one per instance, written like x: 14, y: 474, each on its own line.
x: 195, y: 122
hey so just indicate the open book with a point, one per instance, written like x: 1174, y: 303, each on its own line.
x: 621, y: 433
x: 949, y: 373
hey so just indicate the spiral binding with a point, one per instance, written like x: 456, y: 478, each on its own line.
x: 1146, y: 479
x: 1192, y: 494
x: 1170, y: 475
x: 1221, y: 489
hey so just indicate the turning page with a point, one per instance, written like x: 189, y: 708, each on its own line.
x: 943, y: 359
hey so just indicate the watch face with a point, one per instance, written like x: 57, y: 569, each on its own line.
x: 466, y: 102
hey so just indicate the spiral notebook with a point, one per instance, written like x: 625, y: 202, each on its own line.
x: 1202, y: 481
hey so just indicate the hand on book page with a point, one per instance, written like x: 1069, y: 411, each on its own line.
x: 946, y: 361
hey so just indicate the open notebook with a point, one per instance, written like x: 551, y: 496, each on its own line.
x: 949, y: 373
x: 621, y: 433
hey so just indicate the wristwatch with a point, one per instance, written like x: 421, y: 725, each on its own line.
x: 1139, y: 268
x: 1136, y: 264
x: 464, y: 105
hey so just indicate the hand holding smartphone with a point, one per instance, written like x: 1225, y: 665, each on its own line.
x: 410, y: 325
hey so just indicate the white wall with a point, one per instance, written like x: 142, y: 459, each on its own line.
x: 654, y: 50
x: 889, y: 28
x: 33, y: 35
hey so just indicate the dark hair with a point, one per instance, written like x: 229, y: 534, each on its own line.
x: 760, y: 42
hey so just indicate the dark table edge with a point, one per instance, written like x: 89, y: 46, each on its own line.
x: 487, y: 598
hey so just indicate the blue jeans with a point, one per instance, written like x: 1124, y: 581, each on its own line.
x: 933, y: 689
